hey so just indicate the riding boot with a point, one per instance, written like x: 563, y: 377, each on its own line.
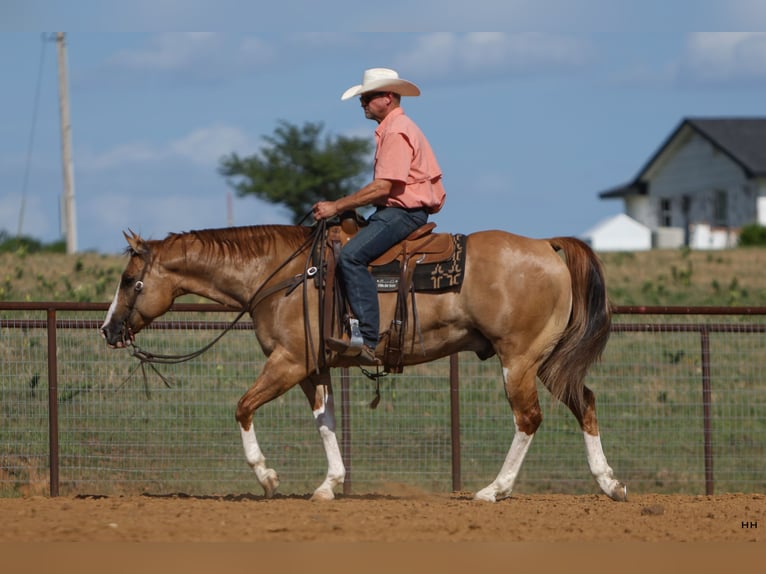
x: 367, y: 357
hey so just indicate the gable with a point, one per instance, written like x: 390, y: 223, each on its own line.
x: 742, y: 141
x: 692, y: 164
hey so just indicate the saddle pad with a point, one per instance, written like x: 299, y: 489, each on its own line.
x: 437, y: 276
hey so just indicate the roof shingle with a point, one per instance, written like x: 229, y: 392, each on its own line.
x: 743, y: 139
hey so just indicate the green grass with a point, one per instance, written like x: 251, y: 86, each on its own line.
x: 659, y: 277
x: 684, y: 277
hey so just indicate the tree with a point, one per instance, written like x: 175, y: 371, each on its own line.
x: 298, y: 167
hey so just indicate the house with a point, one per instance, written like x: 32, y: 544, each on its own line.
x: 619, y: 233
x: 706, y: 181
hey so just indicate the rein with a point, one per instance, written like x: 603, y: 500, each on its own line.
x: 260, y: 294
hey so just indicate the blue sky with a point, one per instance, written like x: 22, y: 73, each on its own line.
x: 528, y: 126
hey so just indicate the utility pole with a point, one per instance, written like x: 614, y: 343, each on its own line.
x: 69, y: 215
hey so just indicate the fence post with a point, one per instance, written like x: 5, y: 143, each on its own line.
x: 454, y: 386
x: 707, y: 399
x: 345, y: 436
x: 53, y: 404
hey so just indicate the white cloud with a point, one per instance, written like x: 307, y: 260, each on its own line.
x: 206, y: 146
x: 169, y: 51
x: 743, y: 14
x: 254, y: 50
x: 486, y: 53
x: 122, y: 155
x: 183, y: 59
x: 433, y: 54
x: 719, y: 57
x: 325, y: 40
x: 519, y: 15
x: 110, y: 213
x: 202, y: 147
x: 706, y: 59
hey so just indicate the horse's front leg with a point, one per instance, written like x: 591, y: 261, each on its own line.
x: 318, y: 390
x: 280, y: 373
x: 267, y: 477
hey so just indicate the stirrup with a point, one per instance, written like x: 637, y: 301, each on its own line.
x: 343, y: 347
x: 350, y: 347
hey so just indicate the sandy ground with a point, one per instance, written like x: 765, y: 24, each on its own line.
x: 453, y: 518
x: 376, y: 530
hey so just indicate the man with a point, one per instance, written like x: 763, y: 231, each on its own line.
x: 406, y: 188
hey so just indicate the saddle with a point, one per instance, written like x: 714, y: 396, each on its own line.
x: 440, y: 255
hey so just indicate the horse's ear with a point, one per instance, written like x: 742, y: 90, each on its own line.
x: 135, y: 242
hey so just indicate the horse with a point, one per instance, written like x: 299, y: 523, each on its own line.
x: 540, y: 305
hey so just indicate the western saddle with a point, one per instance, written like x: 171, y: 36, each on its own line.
x: 420, y: 247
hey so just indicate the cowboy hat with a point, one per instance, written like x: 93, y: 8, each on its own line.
x: 382, y: 80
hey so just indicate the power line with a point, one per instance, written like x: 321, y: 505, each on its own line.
x: 36, y: 105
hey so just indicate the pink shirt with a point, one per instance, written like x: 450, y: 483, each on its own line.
x: 405, y: 157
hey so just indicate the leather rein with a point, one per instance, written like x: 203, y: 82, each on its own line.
x: 260, y: 295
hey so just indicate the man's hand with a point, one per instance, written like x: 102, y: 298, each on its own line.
x: 324, y: 210
x: 371, y: 193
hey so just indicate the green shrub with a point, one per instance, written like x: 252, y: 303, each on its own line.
x: 752, y: 234
x: 25, y: 244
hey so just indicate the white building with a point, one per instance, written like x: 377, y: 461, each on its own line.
x: 619, y: 233
x: 706, y: 181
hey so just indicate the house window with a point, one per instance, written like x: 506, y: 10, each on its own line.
x: 720, y: 208
x: 666, y: 213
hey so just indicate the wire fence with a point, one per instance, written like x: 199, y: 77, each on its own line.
x: 681, y: 404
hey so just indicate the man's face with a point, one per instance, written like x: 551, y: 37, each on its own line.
x: 375, y: 105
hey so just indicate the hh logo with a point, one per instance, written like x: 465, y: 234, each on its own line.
x: 749, y: 524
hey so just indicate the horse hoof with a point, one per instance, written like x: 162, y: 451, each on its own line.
x: 270, y: 482
x: 620, y: 493
x: 322, y: 495
x: 486, y: 495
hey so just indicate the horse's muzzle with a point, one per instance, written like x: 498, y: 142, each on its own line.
x: 116, y: 336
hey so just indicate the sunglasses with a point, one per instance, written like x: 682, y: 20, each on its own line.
x: 367, y: 98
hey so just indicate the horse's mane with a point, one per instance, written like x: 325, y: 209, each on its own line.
x: 242, y: 243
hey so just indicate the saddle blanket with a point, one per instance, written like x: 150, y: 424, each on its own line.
x: 438, y: 276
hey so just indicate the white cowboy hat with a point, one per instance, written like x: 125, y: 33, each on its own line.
x: 382, y: 80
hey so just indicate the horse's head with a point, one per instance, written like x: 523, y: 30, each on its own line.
x: 141, y: 296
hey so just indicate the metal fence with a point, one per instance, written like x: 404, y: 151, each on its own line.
x: 681, y: 404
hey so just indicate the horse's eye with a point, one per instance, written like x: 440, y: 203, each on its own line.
x: 130, y: 282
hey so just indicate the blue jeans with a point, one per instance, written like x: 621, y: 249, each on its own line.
x: 385, y: 228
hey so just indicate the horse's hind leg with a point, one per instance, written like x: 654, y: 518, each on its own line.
x: 318, y: 390
x: 599, y: 467
x: 521, y: 392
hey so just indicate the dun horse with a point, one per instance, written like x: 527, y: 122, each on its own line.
x: 539, y: 305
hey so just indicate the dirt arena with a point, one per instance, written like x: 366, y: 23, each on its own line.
x: 376, y: 530
x: 385, y: 518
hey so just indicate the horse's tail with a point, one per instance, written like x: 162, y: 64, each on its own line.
x: 563, y: 371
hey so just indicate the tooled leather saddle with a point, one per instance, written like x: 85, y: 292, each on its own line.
x: 423, y: 261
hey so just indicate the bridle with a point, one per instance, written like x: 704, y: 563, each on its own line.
x: 263, y: 292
